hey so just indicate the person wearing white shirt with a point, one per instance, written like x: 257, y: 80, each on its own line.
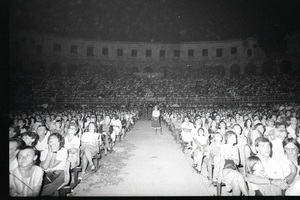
x: 277, y: 148
x: 275, y: 182
x: 292, y: 129
x: 186, y: 133
x: 42, y: 144
x: 155, y: 120
x: 72, y: 144
x: 117, y: 125
x: 54, y: 164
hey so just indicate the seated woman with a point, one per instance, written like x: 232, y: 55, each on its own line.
x: 214, y: 157
x: 249, y: 148
x: 89, y: 147
x: 26, y: 180
x: 229, y: 174
x: 186, y: 133
x: 117, y: 125
x: 123, y: 129
x: 254, y: 166
x: 105, y: 133
x: 222, y: 128
x: 54, y: 164
x: 42, y: 143
x: 72, y: 143
x: 200, y: 144
x: 177, y: 127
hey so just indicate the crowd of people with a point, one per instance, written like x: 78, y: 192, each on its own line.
x: 43, y: 143
x: 108, y: 84
x: 249, y: 150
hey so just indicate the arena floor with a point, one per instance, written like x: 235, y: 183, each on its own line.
x: 145, y: 164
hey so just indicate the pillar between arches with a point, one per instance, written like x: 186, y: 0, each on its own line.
x: 227, y: 70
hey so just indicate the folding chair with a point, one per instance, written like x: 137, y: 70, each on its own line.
x: 65, y: 186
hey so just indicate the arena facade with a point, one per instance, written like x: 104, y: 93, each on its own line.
x: 47, y: 53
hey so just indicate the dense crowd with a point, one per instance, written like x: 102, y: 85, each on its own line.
x: 106, y: 83
x: 45, y: 143
x: 250, y: 151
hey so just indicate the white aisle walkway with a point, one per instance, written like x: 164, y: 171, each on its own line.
x: 145, y: 164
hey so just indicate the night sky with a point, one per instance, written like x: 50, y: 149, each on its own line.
x: 166, y: 21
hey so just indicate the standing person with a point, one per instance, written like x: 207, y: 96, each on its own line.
x: 156, y: 120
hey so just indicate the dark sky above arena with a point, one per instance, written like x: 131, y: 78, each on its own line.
x: 166, y: 21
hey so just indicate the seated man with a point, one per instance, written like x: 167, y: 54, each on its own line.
x: 275, y: 183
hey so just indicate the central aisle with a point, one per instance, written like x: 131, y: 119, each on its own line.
x: 145, y: 164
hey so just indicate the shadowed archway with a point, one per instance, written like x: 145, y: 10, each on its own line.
x: 235, y: 70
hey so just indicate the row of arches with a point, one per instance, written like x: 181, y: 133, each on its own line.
x: 39, y: 67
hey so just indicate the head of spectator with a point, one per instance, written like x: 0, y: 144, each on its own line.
x: 222, y: 125
x: 186, y: 119
x: 291, y: 149
x: 217, y: 137
x: 56, y: 141
x: 41, y: 130
x: 73, y: 129
x: 263, y: 147
x: 253, y: 164
x: 293, y: 121
x: 252, y: 136
x: 270, y: 123
x: 12, y: 132
x: 280, y: 125
x: 14, y: 146
x: 198, y: 121
x: 93, y: 118
x: 281, y: 134
x: 35, y: 125
x: 237, y: 129
x: 92, y: 127
x: 248, y: 123
x: 26, y: 156
x: 30, y: 138
x: 21, y: 123
x: 260, y: 127
x: 230, y: 137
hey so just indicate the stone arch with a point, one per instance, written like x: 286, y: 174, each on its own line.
x: 220, y: 70
x: 164, y: 69
x: 267, y: 67
x: 134, y: 69
x: 55, y: 69
x: 286, y: 66
x: 250, y: 68
x: 148, y: 69
x: 235, y: 70
x: 71, y: 69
